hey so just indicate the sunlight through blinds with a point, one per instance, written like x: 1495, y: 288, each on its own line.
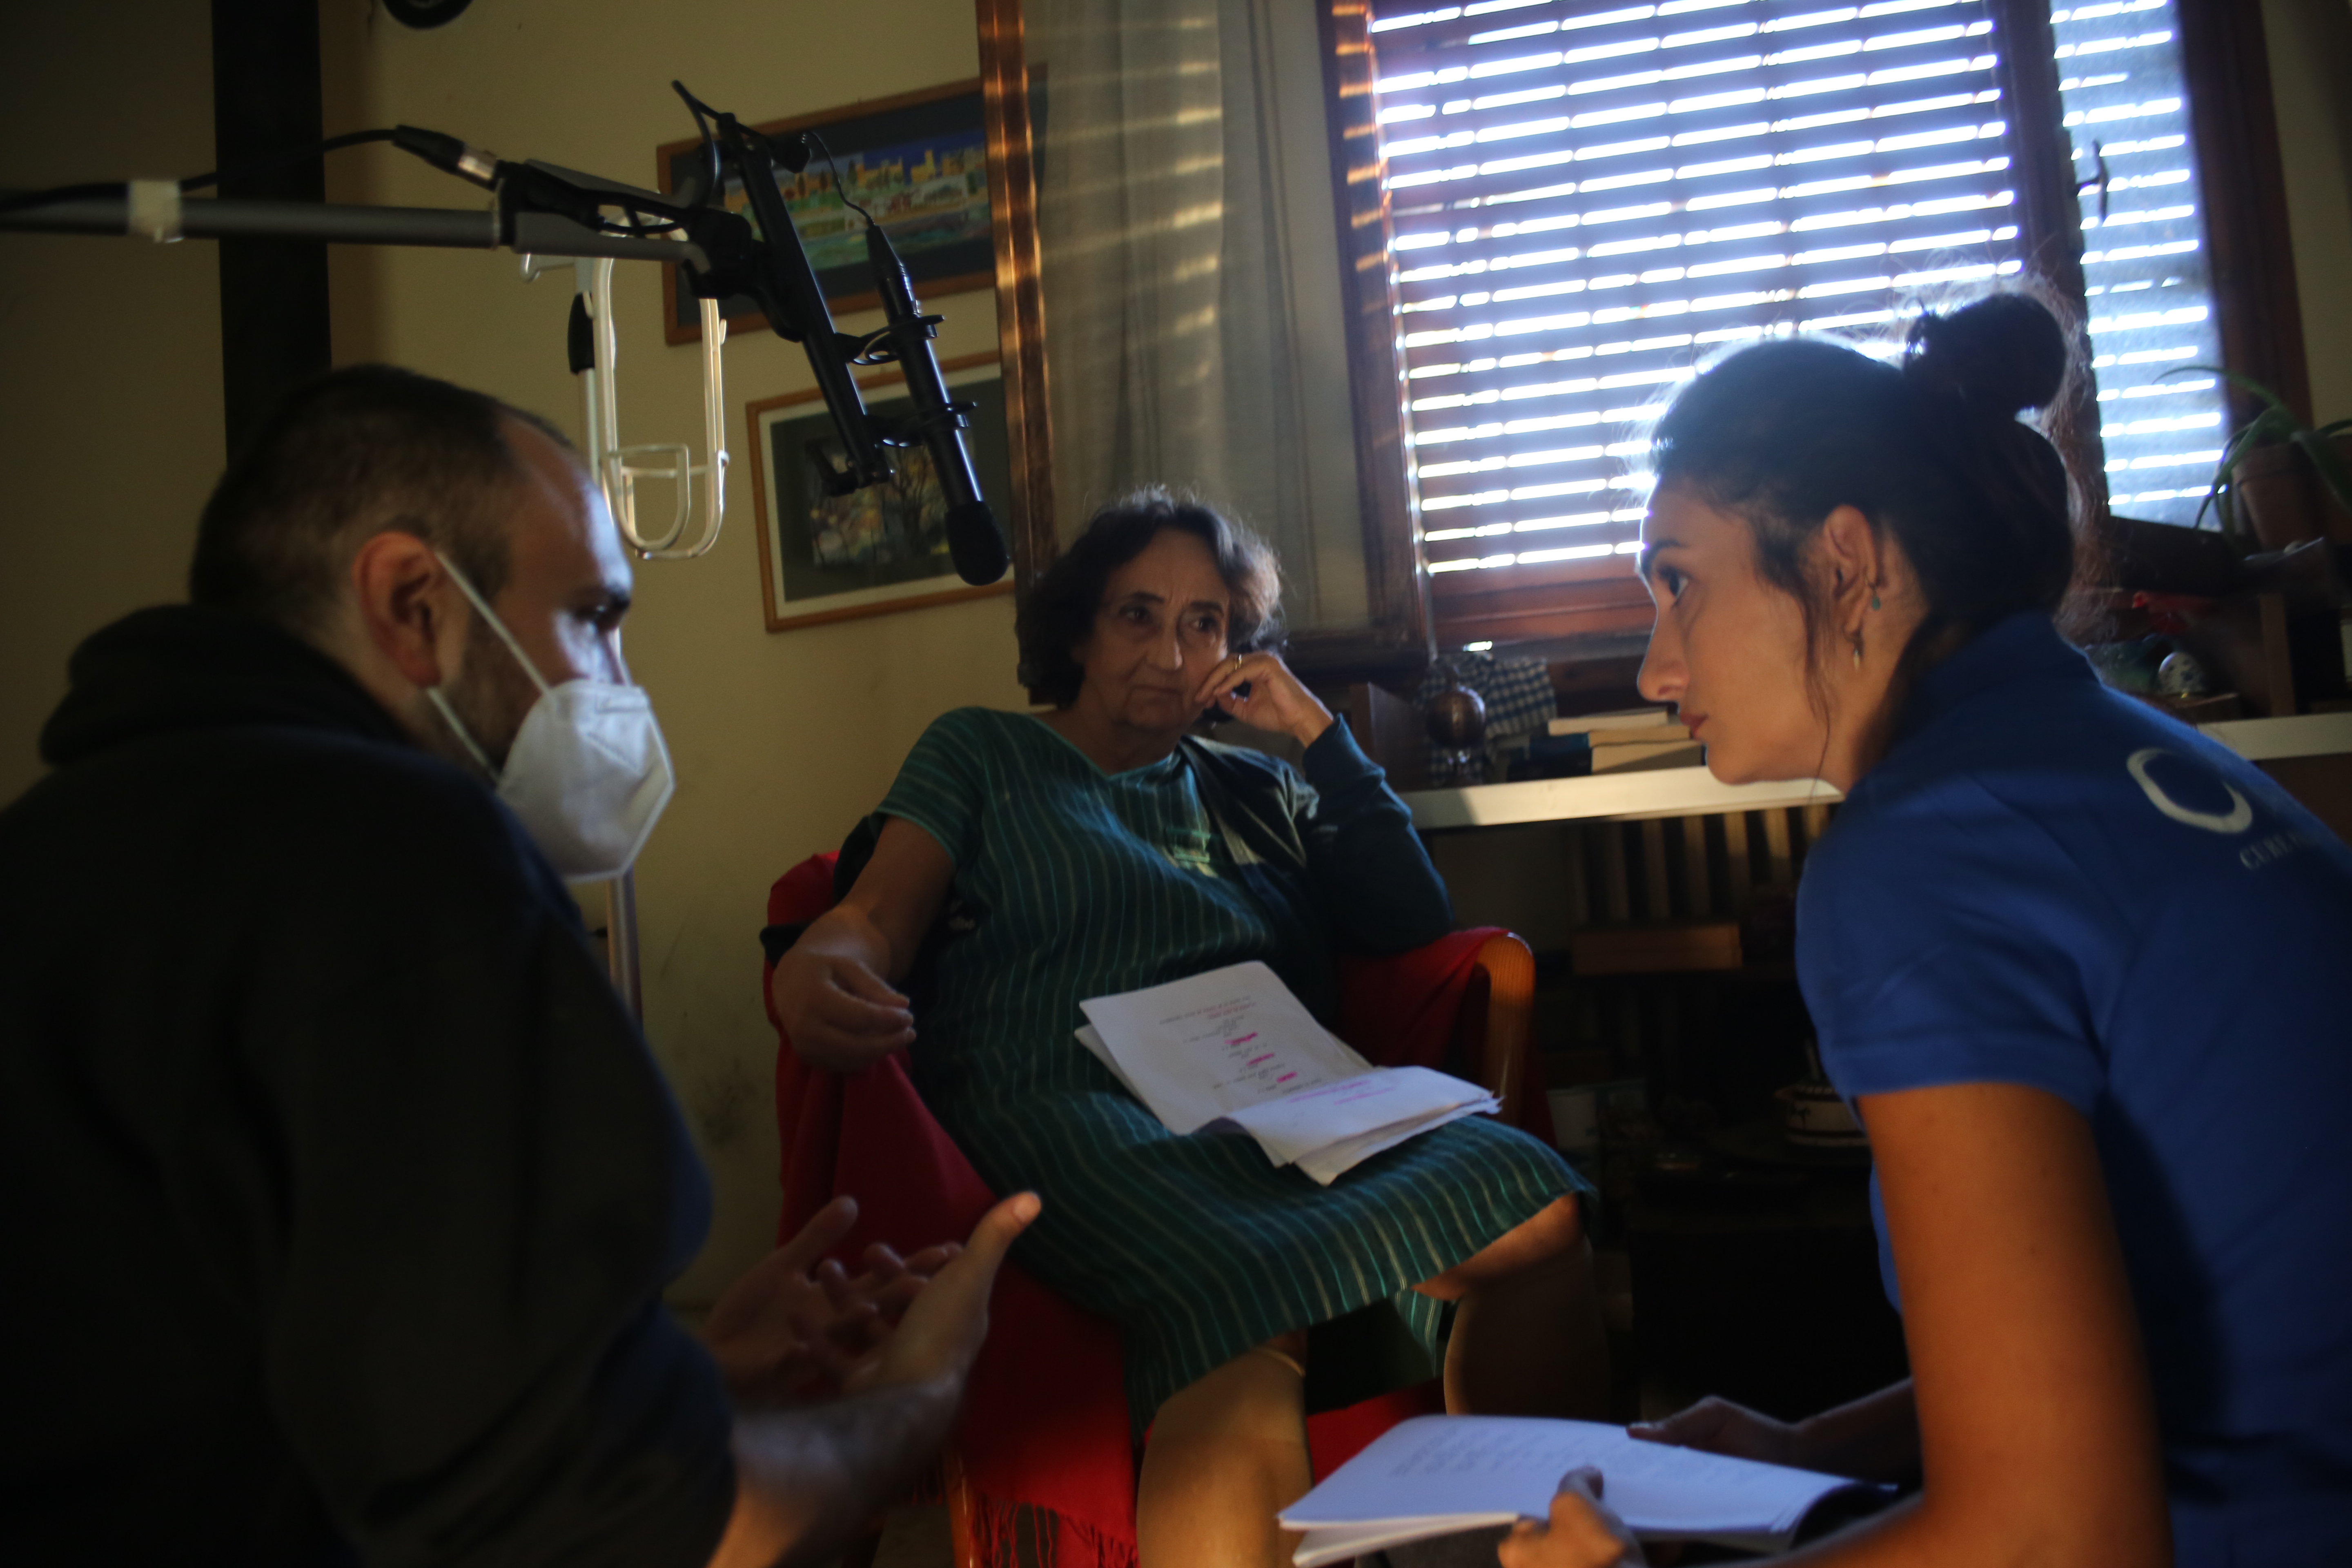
x: 1589, y: 201
x: 2146, y: 292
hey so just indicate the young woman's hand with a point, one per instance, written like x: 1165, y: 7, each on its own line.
x: 1276, y: 701
x: 1582, y: 1531
x: 1718, y: 1426
x: 1874, y: 1438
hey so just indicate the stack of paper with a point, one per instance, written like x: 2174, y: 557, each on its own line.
x: 1233, y: 1051
x: 1439, y: 1474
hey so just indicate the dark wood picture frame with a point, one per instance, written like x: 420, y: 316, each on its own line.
x: 852, y: 128
x: 781, y: 616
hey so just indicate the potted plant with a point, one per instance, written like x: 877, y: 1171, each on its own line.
x: 2281, y: 480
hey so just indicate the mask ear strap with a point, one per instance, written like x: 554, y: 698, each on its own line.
x: 474, y: 597
x: 449, y: 717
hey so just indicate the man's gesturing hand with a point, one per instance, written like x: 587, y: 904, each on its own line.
x: 942, y: 1330
x: 805, y: 1477
x: 785, y: 1326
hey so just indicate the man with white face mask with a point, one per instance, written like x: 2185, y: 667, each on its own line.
x: 338, y: 1185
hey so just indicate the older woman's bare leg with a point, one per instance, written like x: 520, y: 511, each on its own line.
x: 1528, y: 1334
x: 1228, y: 1452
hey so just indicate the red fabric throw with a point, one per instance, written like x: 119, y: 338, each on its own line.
x: 1044, y: 1419
x: 1044, y: 1424
x: 1399, y: 1012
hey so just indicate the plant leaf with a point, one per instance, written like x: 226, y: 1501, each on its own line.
x: 2271, y: 401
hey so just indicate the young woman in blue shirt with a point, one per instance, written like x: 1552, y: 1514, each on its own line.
x: 2078, y: 968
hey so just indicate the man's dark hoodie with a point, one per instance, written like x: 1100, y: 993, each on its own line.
x: 335, y: 1184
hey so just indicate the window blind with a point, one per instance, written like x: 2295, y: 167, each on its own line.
x: 2147, y: 290
x: 1590, y: 200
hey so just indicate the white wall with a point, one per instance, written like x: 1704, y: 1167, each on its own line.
x: 109, y: 349
x: 781, y: 741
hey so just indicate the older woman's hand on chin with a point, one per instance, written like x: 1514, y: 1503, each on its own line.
x: 1582, y: 1533
x: 1259, y: 689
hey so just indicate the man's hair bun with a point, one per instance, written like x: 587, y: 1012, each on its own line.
x: 2003, y: 353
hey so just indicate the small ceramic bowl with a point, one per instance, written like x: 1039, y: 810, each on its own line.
x: 1812, y: 1114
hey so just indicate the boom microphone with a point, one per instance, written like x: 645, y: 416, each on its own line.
x: 975, y: 541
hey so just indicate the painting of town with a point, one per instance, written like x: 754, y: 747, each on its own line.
x: 882, y: 548
x: 919, y: 164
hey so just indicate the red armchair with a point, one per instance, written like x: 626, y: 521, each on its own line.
x: 1043, y: 1449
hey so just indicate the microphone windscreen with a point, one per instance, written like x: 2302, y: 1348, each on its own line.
x: 975, y: 544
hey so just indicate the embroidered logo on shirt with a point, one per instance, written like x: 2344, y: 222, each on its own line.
x: 2237, y: 819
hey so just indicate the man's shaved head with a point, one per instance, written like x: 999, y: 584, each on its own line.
x: 347, y: 457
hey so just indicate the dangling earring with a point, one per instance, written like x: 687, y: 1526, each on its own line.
x: 1857, y: 653
x: 1874, y: 598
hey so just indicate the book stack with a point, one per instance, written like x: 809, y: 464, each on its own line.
x: 1624, y: 741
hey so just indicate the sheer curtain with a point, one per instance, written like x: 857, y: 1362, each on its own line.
x: 1190, y: 271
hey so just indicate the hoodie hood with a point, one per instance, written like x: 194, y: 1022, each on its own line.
x: 184, y: 666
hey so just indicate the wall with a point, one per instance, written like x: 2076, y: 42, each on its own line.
x: 781, y: 741
x: 110, y: 347
x: 2310, y: 48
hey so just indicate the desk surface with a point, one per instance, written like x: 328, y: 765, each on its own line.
x: 1695, y: 791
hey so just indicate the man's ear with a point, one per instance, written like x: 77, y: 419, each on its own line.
x: 396, y: 582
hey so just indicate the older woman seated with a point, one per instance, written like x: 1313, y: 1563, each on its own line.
x: 1104, y: 848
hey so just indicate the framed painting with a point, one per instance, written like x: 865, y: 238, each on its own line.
x: 917, y: 161
x: 827, y: 558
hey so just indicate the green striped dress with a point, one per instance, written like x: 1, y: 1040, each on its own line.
x: 1070, y: 883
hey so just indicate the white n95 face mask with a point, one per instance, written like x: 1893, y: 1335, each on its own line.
x: 588, y: 775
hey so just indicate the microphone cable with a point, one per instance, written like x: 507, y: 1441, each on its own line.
x: 23, y: 201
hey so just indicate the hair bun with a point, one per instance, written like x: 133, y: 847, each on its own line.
x: 2004, y: 353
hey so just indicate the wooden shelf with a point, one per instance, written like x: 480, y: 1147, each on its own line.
x: 1695, y: 791
x: 2271, y: 740
x: 1658, y: 791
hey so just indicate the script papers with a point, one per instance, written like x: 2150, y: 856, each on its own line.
x: 1233, y: 1051
x: 1435, y: 1475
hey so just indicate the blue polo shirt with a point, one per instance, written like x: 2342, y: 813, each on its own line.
x: 2046, y: 883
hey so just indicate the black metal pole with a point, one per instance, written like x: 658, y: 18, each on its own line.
x: 275, y: 330
x: 235, y: 223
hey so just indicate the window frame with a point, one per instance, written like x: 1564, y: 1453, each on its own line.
x: 2233, y: 128
x: 2251, y: 264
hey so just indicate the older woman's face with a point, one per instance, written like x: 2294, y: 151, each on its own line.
x: 1160, y: 629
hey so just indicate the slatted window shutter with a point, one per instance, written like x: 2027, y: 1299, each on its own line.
x: 2147, y: 294
x: 1590, y: 200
